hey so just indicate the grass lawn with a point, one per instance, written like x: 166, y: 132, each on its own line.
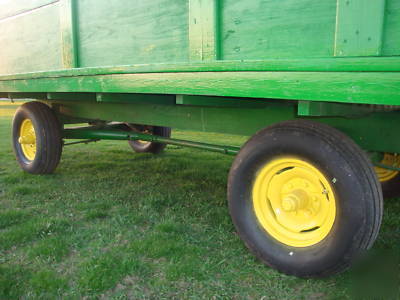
x: 110, y: 223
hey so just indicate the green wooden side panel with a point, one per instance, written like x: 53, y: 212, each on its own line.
x: 68, y: 33
x: 9, y: 8
x: 261, y: 29
x: 391, y: 35
x: 359, y: 27
x: 118, y: 32
x: 203, y: 30
x: 350, y: 87
x: 31, y: 42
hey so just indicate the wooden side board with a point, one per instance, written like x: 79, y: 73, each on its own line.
x: 12, y: 8
x: 359, y: 27
x: 195, y: 35
x: 31, y: 42
x: 349, y: 87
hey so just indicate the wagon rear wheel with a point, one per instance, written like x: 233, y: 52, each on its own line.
x: 149, y: 147
x: 304, y: 198
x: 36, y: 138
x: 390, y: 179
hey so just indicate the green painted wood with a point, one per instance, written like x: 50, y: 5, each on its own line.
x: 203, y: 30
x: 126, y: 32
x: 122, y: 32
x: 359, y: 27
x: 68, y: 33
x: 349, y: 87
x: 263, y: 29
x: 365, y: 64
x: 11, y: 8
x: 391, y: 36
x: 31, y: 42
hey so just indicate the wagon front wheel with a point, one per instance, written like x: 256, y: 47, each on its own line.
x: 304, y: 198
x: 149, y: 147
x: 36, y: 138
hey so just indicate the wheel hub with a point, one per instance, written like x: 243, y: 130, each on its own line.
x: 27, y: 139
x: 389, y: 159
x: 294, y: 202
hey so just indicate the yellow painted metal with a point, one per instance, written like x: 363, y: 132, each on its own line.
x: 389, y: 159
x: 294, y: 202
x: 27, y: 139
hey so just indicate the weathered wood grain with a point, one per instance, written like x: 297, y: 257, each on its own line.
x: 351, y: 87
x: 10, y: 8
x: 31, y: 42
x: 121, y: 32
x: 391, y: 34
x: 359, y: 28
x: 203, y: 30
x: 68, y: 33
x: 264, y: 29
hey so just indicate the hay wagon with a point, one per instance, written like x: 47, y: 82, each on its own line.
x: 314, y: 83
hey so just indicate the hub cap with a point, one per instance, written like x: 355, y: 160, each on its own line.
x: 294, y: 202
x: 392, y: 160
x: 27, y: 139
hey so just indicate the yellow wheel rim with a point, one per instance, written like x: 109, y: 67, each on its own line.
x: 392, y: 160
x: 294, y: 202
x: 27, y: 139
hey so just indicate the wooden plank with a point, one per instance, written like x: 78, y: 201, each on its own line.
x: 11, y: 8
x: 343, y: 64
x: 265, y: 29
x: 203, y: 30
x: 125, y: 32
x: 68, y: 34
x: 359, y: 27
x: 348, y: 87
x: 31, y: 42
x: 391, y: 35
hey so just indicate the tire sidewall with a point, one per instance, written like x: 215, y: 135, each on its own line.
x: 347, y: 230
x: 152, y: 147
x: 21, y: 115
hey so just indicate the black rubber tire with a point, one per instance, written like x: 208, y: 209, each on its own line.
x: 150, y: 147
x: 358, y: 194
x: 48, y: 138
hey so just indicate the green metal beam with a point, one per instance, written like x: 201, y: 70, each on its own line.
x: 241, y: 121
x: 221, y: 101
x: 95, y: 134
x: 376, y: 131
x: 325, y: 109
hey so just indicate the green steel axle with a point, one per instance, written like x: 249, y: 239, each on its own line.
x: 91, y: 134
x: 96, y: 134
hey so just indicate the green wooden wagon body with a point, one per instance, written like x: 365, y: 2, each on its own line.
x: 224, y: 66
